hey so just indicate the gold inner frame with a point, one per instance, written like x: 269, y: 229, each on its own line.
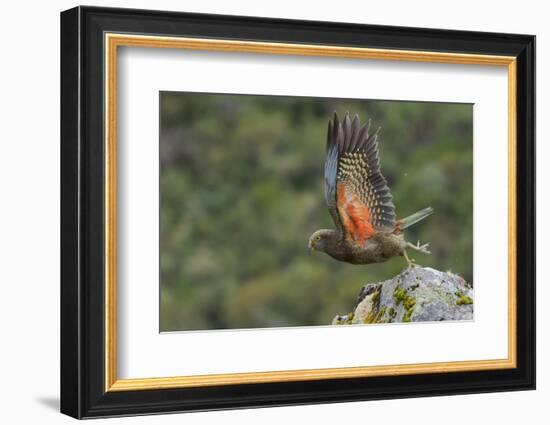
x: 113, y: 41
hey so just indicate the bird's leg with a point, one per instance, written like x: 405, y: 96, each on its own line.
x: 410, y: 262
x: 420, y: 248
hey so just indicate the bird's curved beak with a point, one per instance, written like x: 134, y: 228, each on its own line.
x: 310, y: 249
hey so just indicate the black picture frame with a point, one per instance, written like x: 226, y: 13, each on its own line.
x: 83, y: 392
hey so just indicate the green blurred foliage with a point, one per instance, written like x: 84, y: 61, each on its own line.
x: 241, y: 188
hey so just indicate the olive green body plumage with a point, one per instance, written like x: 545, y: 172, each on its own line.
x: 377, y: 249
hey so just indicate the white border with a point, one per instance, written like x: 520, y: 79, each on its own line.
x: 143, y: 352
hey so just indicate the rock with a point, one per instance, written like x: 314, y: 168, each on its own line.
x: 418, y: 294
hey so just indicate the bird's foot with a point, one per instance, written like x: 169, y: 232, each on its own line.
x: 420, y: 248
x: 411, y: 263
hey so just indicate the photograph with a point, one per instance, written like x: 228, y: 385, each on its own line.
x: 285, y: 211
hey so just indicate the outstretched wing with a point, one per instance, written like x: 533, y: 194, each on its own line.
x: 357, y: 194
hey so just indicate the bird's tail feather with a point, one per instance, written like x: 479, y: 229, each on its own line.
x: 415, y: 218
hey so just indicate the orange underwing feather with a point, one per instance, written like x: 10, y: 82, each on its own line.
x: 355, y: 215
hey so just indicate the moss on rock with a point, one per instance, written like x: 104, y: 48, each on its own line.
x: 463, y: 299
x: 401, y: 296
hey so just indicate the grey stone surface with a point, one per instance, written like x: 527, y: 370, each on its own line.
x: 418, y: 294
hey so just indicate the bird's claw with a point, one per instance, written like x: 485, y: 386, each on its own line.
x: 420, y: 247
x: 411, y: 264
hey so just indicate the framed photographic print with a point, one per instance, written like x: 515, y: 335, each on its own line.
x: 261, y: 212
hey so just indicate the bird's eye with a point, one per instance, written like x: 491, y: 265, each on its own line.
x: 318, y: 238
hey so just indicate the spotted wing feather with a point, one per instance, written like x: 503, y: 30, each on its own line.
x: 355, y: 186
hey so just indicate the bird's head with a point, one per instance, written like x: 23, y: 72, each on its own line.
x: 321, y: 240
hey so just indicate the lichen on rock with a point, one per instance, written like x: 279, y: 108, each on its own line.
x: 418, y: 294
